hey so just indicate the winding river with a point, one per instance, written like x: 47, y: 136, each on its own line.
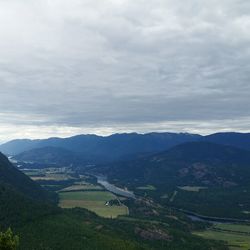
x: 102, y: 180
x: 203, y: 218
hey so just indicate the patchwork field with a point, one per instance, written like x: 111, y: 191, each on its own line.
x: 82, y: 186
x: 95, y: 201
x: 80, y: 192
x: 148, y: 187
x: 48, y: 174
x: 52, y: 177
x: 32, y: 172
x: 192, y: 188
x: 237, y: 236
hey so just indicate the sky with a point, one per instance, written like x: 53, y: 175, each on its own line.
x: 94, y: 66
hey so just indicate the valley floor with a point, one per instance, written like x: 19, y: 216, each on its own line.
x: 237, y: 236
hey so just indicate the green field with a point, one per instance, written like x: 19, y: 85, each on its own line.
x: 48, y: 174
x: 234, y: 227
x: 52, y: 177
x: 148, y: 187
x: 81, y: 187
x: 94, y: 201
x: 192, y: 188
x: 31, y: 172
x: 237, y: 236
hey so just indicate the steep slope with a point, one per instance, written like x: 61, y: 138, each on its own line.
x: 100, y: 149
x: 16, y: 180
x: 21, y: 199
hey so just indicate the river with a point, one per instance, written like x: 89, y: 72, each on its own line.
x: 203, y: 218
x: 102, y: 180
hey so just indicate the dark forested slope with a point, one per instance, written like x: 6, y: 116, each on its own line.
x: 196, y: 163
x: 99, y: 149
x: 52, y: 155
x: 16, y: 180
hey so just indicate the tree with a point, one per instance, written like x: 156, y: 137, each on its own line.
x: 8, y: 241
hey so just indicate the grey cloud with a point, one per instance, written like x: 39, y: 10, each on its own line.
x: 115, y: 63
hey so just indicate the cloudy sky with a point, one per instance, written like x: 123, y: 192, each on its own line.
x: 94, y: 66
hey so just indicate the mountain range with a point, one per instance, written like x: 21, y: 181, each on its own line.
x: 99, y: 149
x: 93, y: 149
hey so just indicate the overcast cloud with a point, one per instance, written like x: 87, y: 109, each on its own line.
x: 94, y: 66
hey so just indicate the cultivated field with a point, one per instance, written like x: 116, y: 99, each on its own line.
x: 52, y: 177
x: 83, y: 186
x: 96, y: 201
x: 32, y: 172
x: 148, y: 187
x: 237, y: 236
x: 80, y: 192
x: 192, y: 188
x: 48, y: 174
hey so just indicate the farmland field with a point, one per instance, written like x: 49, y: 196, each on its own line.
x: 192, y: 188
x: 94, y: 201
x: 82, y: 187
x: 148, y: 187
x: 236, y: 236
x: 32, y: 172
x: 52, y: 177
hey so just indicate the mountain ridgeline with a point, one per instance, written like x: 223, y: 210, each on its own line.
x: 97, y: 149
x: 93, y: 149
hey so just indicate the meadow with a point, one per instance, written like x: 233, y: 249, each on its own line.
x: 237, y: 236
x: 148, y: 187
x: 95, y: 201
x: 192, y: 188
x: 82, y: 186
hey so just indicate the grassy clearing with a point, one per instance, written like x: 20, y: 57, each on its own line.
x: 32, y: 172
x: 50, y: 185
x: 148, y: 187
x: 94, y: 201
x: 233, y: 227
x: 237, y: 236
x: 52, y: 177
x: 246, y: 212
x: 82, y: 187
x: 192, y: 188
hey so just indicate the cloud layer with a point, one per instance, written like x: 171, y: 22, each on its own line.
x: 93, y: 65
